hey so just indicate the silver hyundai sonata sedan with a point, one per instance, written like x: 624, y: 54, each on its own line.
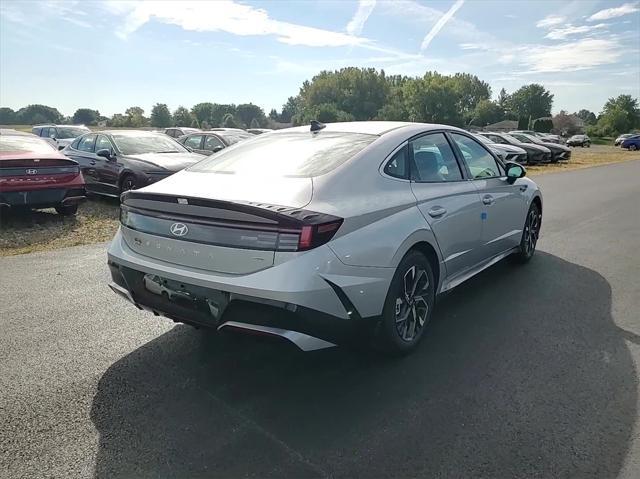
x: 332, y: 233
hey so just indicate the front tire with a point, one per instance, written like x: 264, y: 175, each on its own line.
x: 633, y: 147
x: 128, y: 183
x: 408, y: 306
x: 67, y: 210
x: 530, y: 234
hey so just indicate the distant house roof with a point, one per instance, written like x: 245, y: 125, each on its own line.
x: 504, y: 125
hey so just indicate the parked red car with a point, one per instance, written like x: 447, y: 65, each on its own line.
x: 33, y: 174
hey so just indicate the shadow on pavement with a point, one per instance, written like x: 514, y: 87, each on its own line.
x: 523, y: 373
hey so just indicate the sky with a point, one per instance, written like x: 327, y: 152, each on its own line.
x: 110, y: 55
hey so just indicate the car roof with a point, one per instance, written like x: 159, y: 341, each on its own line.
x: 53, y: 124
x: 130, y: 132
x: 12, y: 132
x: 371, y: 127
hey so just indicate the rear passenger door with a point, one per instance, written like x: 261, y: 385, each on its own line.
x: 503, y: 204
x: 448, y: 201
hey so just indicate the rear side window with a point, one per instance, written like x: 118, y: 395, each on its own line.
x: 397, y: 165
x: 432, y: 159
x: 296, y: 154
x: 87, y: 143
x: 212, y: 142
x: 44, y: 132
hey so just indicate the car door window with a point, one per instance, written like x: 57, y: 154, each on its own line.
x: 211, y: 142
x: 432, y: 159
x: 87, y: 143
x: 52, y: 132
x: 480, y: 162
x: 193, y: 142
x: 103, y: 143
x: 44, y: 132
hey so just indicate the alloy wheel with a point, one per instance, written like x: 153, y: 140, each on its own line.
x: 531, y: 231
x: 412, y: 309
x: 128, y: 184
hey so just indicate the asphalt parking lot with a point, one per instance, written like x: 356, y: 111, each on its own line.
x: 526, y: 371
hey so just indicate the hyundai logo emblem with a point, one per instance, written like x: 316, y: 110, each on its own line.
x: 32, y: 172
x: 179, y: 229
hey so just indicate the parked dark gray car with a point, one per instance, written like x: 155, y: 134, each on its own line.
x: 536, y: 154
x: 116, y: 161
x: 209, y: 142
x: 559, y: 152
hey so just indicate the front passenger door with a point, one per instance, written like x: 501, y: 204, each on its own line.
x: 107, y: 170
x: 85, y: 156
x: 503, y: 204
x: 195, y: 143
x: 448, y: 201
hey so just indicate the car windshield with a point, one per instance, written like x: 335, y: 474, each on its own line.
x: 130, y: 144
x: 521, y: 138
x: 24, y: 144
x: 234, y: 136
x: 297, y: 154
x: 66, y: 132
x: 484, y: 140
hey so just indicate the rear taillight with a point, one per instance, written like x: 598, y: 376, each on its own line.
x: 312, y: 236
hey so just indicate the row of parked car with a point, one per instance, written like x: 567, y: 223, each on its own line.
x: 57, y: 165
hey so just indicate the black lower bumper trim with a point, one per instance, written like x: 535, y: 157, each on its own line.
x: 193, y: 305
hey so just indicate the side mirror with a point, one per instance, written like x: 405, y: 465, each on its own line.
x: 60, y: 147
x: 216, y: 149
x: 105, y: 153
x: 514, y: 171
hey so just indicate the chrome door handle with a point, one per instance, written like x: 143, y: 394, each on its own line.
x: 437, y: 211
x: 92, y: 163
x: 488, y: 199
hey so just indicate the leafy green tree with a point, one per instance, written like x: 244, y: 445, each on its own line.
x: 135, y: 117
x: 432, y: 99
x: 86, y: 116
x: 202, y: 112
x: 161, y: 116
x: 619, y: 115
x: 229, y: 121
x: 531, y: 101
x: 273, y: 114
x: 290, y: 108
x: 566, y: 124
x: 486, y: 112
x: 503, y: 99
x: 470, y: 90
x: 7, y: 116
x: 219, y: 111
x: 247, y: 112
x: 360, y: 92
x: 182, y: 117
x: 543, y: 125
x: 33, y: 114
x: 588, y: 117
x: 118, y: 120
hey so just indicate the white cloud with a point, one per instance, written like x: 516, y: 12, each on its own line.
x: 572, y: 56
x: 563, y: 33
x: 550, y: 21
x: 226, y: 16
x: 365, y: 7
x: 609, y: 13
x: 441, y: 23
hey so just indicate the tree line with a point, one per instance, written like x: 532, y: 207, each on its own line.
x: 359, y: 94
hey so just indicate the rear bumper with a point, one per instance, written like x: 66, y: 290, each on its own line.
x: 311, y: 293
x: 44, y: 198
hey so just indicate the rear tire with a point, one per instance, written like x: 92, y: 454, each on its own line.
x: 530, y: 234
x: 408, y: 306
x: 67, y: 210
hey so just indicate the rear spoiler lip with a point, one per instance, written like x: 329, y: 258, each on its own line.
x: 267, y: 216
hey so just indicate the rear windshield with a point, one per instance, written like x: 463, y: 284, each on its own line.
x: 66, y: 132
x: 24, y: 144
x: 299, y: 154
x: 131, y: 144
x: 233, y: 137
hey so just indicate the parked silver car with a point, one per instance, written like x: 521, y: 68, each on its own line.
x: 505, y: 152
x: 59, y: 136
x: 334, y: 232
